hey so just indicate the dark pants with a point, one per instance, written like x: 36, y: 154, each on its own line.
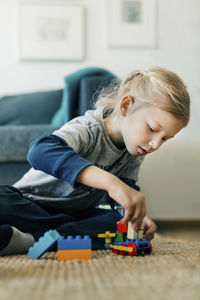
x: 36, y: 218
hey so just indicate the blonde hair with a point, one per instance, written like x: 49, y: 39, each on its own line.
x: 145, y: 86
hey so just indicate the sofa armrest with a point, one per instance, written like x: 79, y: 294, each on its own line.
x: 15, y: 140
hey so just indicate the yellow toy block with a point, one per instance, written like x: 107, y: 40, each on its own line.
x: 122, y: 248
x: 74, y: 254
x: 107, y: 235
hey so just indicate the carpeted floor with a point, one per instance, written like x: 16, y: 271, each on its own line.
x: 171, y: 272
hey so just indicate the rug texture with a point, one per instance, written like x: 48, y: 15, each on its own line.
x: 171, y: 272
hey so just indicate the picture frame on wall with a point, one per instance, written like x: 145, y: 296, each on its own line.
x: 51, y: 32
x: 132, y: 23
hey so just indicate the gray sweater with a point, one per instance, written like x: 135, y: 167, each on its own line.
x: 88, y: 137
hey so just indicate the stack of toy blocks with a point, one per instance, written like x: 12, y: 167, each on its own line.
x: 121, y: 232
x: 74, y: 248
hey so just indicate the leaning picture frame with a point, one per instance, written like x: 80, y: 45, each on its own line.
x: 51, y: 32
x: 132, y: 23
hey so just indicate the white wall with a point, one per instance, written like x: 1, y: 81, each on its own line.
x: 178, y: 49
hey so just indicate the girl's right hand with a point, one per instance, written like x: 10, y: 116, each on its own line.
x: 132, y: 201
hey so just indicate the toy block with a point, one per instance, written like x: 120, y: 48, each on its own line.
x: 134, y: 249
x: 140, y: 231
x: 131, y: 232
x: 43, y: 244
x: 120, y: 237
x: 74, y: 254
x: 122, y: 247
x: 122, y: 227
x: 107, y: 246
x: 76, y: 243
x: 107, y: 235
x: 148, y: 251
x: 135, y: 234
x: 142, y: 245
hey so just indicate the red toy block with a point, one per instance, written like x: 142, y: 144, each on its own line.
x: 148, y: 251
x: 121, y: 227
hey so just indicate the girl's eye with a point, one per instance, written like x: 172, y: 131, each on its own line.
x: 151, y: 129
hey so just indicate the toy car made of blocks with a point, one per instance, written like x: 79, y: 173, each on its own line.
x: 123, y: 244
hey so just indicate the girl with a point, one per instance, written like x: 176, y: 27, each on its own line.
x: 93, y: 158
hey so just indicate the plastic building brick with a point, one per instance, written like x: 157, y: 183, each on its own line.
x: 122, y: 251
x: 140, y: 232
x: 127, y: 246
x: 120, y: 237
x: 74, y: 248
x: 76, y: 243
x: 121, y: 227
x: 148, y: 251
x: 74, y: 254
x: 43, y: 244
x: 134, y: 249
x: 122, y: 247
x: 131, y: 231
x: 142, y: 245
x: 107, y: 235
x: 131, y: 247
x: 135, y: 234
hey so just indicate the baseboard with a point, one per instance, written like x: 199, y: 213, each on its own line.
x: 178, y: 224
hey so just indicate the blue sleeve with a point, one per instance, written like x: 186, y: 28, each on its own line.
x: 50, y: 154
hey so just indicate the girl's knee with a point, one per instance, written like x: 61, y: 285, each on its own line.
x: 8, y: 190
x: 8, y: 197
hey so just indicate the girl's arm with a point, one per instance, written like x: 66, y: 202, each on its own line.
x: 53, y: 156
x: 131, y: 200
x: 50, y: 154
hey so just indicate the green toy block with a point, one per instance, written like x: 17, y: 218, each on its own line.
x: 120, y: 237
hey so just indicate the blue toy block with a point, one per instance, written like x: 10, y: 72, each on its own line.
x: 107, y: 245
x: 43, y: 244
x: 141, y: 244
x: 76, y: 243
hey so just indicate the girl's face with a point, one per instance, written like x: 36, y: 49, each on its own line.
x: 144, y: 130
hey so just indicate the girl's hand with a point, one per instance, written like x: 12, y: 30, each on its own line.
x: 132, y: 201
x: 149, y: 228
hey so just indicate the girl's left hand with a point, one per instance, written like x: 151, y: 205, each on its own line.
x: 149, y: 228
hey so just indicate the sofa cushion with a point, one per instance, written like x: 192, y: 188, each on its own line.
x: 30, y: 108
x: 90, y: 88
x: 15, y: 140
x: 72, y: 98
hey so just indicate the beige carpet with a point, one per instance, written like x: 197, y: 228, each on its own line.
x: 171, y: 272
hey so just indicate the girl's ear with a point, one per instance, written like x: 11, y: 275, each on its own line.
x: 125, y: 103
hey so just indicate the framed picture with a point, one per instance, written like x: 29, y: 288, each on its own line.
x: 51, y: 32
x: 132, y: 23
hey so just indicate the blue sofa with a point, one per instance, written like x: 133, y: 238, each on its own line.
x: 25, y: 117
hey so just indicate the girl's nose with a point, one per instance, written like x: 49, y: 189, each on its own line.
x: 155, y: 144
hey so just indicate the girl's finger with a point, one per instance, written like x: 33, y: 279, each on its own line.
x: 126, y: 218
x: 149, y: 236
x: 137, y: 218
